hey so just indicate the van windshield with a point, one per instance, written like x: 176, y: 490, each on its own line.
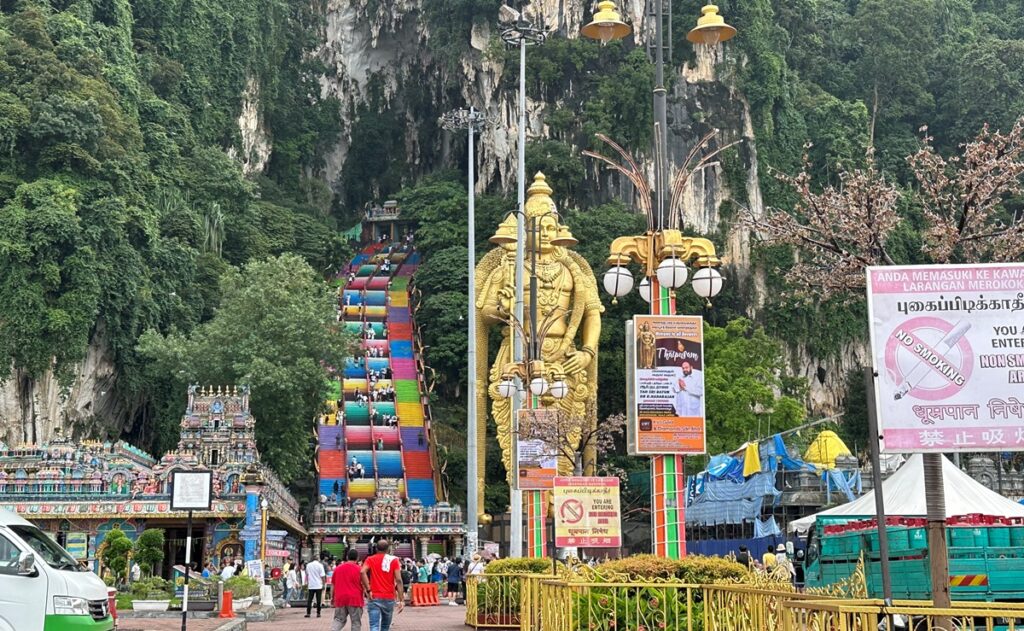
x: 46, y: 549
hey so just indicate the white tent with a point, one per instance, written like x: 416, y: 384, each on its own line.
x: 904, y: 496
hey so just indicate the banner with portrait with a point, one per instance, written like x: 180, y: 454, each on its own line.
x: 667, y: 385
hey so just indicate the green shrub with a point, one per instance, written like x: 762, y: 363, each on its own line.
x: 635, y: 608
x: 153, y: 588
x: 242, y: 587
x: 519, y: 566
x: 149, y: 549
x: 692, y: 569
x: 114, y: 553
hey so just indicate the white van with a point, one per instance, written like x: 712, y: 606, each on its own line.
x: 42, y: 588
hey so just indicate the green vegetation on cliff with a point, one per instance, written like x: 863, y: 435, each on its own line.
x: 121, y: 205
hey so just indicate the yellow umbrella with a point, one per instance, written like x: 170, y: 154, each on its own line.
x: 751, y: 460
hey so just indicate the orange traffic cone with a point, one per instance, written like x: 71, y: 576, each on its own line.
x: 227, y: 609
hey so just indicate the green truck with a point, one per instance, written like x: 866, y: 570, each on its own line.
x: 986, y: 557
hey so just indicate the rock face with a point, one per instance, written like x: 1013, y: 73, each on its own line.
x: 34, y: 410
x: 388, y: 41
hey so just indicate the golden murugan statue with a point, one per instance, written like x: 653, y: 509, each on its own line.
x: 647, y: 343
x: 568, y: 306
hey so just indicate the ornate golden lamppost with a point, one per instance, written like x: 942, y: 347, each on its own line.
x: 663, y: 252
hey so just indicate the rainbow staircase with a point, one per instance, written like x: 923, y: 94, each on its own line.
x: 394, y: 456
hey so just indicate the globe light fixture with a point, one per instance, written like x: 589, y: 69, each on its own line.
x: 507, y: 388
x: 559, y: 389
x: 645, y: 289
x: 607, y: 24
x: 707, y: 282
x: 538, y: 386
x: 711, y: 28
x: 618, y: 281
x: 672, y: 273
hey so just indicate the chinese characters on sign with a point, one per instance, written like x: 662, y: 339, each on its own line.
x: 947, y: 344
x: 668, y: 368
x: 537, y: 453
x: 587, y: 512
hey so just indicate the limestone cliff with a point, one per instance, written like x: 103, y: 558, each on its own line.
x: 35, y: 409
x: 389, y: 40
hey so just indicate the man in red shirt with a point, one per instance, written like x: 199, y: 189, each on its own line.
x: 382, y: 580
x: 347, y: 586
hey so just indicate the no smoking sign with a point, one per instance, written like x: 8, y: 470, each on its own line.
x: 572, y: 511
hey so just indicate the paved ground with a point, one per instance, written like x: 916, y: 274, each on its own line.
x: 442, y: 618
x: 167, y: 624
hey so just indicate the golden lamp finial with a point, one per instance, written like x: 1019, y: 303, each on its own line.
x: 711, y: 28
x: 607, y: 24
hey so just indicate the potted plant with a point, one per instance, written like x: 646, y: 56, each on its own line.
x: 243, y: 591
x: 202, y: 592
x: 151, y: 594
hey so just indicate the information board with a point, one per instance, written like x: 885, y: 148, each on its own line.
x: 77, y: 544
x: 947, y: 346
x: 191, y: 490
x: 587, y: 512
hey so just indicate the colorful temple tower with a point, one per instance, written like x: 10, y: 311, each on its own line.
x: 376, y: 460
x: 80, y: 491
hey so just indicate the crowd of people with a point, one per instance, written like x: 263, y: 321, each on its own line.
x: 378, y: 586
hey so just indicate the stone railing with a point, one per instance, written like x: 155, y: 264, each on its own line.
x: 328, y: 514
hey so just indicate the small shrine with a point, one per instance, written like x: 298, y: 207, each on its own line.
x: 80, y: 491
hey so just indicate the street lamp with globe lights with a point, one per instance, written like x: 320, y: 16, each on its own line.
x: 664, y: 253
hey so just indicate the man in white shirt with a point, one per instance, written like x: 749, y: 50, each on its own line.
x: 689, y: 389
x: 228, y: 571
x: 315, y: 583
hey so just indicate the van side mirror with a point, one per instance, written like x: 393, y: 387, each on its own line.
x: 26, y: 564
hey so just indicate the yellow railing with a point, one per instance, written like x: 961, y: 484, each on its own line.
x: 504, y: 601
x: 568, y: 606
x: 744, y: 608
x: 535, y: 602
x: 869, y: 615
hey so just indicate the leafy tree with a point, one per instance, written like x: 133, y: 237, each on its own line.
x: 274, y: 331
x: 114, y: 553
x: 149, y: 549
x: 965, y: 204
x: 745, y: 385
x: 50, y: 288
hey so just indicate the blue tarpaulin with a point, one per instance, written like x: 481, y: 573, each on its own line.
x: 724, y: 466
x: 729, y: 502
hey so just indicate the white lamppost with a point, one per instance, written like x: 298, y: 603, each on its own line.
x: 472, y: 121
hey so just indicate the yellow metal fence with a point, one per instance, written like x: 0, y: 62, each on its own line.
x: 542, y: 603
x: 504, y: 601
x: 619, y: 606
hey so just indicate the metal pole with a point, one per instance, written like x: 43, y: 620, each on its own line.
x: 876, y: 482
x: 516, y: 545
x: 660, y: 120
x: 188, y: 561
x: 471, y: 412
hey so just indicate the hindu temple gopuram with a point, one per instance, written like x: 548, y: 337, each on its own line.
x: 80, y: 491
